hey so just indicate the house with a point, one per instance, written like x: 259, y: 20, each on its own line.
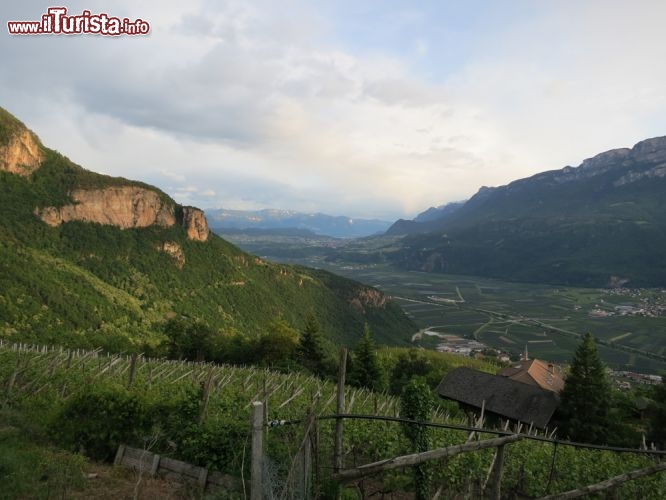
x: 535, y: 372
x: 500, y: 395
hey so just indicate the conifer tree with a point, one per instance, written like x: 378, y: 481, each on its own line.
x: 310, y: 351
x: 586, y: 398
x: 366, y: 371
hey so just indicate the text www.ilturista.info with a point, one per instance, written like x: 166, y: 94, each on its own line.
x: 57, y: 22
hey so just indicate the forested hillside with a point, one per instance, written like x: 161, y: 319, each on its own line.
x: 91, y: 260
x: 596, y: 224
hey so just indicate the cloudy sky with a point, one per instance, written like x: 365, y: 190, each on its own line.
x: 368, y: 108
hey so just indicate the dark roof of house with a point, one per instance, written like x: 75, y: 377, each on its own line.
x: 503, y: 396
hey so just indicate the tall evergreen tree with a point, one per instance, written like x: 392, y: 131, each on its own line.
x: 310, y: 351
x: 366, y: 371
x: 586, y: 398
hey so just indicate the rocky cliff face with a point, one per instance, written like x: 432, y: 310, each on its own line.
x: 125, y: 207
x: 649, y: 151
x: 195, y: 223
x: 22, y: 154
x: 174, y: 251
x: 368, y: 297
x: 128, y: 206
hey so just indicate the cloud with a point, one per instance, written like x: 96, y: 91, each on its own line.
x: 173, y: 175
x: 344, y: 108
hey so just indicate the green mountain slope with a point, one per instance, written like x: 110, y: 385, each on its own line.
x: 601, y: 223
x: 79, y: 282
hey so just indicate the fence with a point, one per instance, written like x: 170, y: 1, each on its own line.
x: 261, y: 385
x: 492, y: 486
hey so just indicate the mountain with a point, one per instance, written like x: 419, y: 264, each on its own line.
x: 92, y: 260
x: 423, y: 221
x: 287, y: 232
x: 601, y: 223
x: 321, y: 224
x: 434, y: 213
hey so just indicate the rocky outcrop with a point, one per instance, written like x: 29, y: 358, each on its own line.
x: 368, y: 297
x: 124, y: 207
x: 22, y: 154
x: 174, y: 251
x: 658, y: 171
x: 650, y: 150
x: 195, y: 223
x: 606, y: 159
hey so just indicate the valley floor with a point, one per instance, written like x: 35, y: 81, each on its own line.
x: 549, y: 321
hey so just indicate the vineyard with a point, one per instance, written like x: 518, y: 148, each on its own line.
x: 90, y: 402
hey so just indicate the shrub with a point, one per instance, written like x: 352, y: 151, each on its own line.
x: 96, y: 421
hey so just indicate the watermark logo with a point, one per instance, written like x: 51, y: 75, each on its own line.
x: 57, y: 22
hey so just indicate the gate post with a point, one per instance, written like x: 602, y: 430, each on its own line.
x: 256, y: 485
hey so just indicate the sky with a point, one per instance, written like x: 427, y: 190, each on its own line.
x: 359, y: 108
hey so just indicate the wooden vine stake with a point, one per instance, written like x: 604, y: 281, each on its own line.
x: 306, y: 480
x: 256, y: 483
x: 207, y: 387
x: 338, y: 462
x: 496, y: 474
x: 132, y: 370
x: 339, y: 429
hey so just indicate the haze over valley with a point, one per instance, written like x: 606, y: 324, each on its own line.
x: 600, y: 225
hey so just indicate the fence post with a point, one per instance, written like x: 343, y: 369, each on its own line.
x: 314, y: 440
x: 338, y: 462
x: 307, y: 454
x: 256, y: 486
x: 496, y: 474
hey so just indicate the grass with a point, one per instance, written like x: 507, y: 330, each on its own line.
x: 31, y: 469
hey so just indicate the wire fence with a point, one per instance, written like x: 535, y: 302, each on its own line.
x: 481, y: 430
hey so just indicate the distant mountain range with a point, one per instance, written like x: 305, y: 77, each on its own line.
x: 318, y: 223
x: 601, y: 223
